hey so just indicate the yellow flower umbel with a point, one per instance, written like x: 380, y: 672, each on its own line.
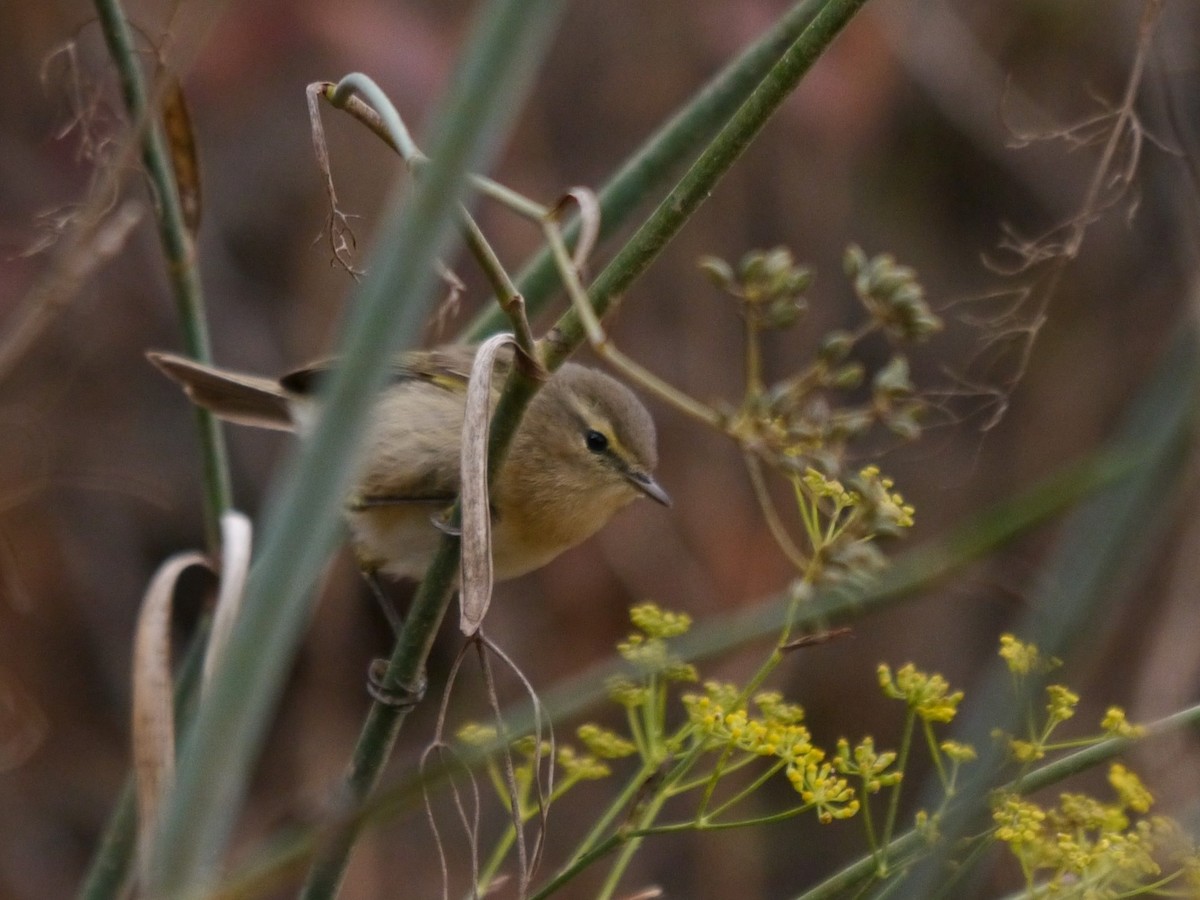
x: 1085, y: 848
x: 724, y: 725
x: 647, y: 648
x: 1129, y: 788
x: 868, y: 764
x: 818, y: 786
x: 1115, y: 725
x: 926, y: 695
x: 1060, y: 704
x: 776, y: 732
x: 604, y: 743
x: 1022, y: 658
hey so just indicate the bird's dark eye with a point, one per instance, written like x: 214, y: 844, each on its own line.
x: 597, y: 441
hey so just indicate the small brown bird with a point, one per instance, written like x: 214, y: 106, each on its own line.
x: 585, y: 448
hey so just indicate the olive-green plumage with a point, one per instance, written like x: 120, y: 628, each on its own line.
x: 585, y: 448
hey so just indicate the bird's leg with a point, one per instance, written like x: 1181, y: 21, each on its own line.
x: 371, y: 575
x: 406, y: 696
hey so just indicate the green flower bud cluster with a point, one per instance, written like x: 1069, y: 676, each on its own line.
x: 769, y: 284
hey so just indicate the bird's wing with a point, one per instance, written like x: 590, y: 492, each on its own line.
x: 448, y: 366
x: 431, y: 477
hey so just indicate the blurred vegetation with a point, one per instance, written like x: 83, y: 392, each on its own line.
x: 910, y: 136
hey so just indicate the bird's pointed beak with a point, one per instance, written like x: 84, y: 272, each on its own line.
x: 649, y: 487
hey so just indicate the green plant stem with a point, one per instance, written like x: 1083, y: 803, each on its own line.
x: 889, y: 825
x: 648, y: 712
x: 863, y: 869
x: 112, y: 863
x: 620, y: 803
x: 753, y: 363
x: 700, y: 180
x: 662, y: 153
x: 1082, y: 760
x: 405, y: 672
x: 500, y: 851
x: 869, y: 825
x: 495, y: 860
x: 630, y: 845
x: 381, y: 113
x: 776, y: 656
x: 592, y: 849
x: 496, y: 778
x: 712, y: 780
x: 809, y: 516
x: 654, y: 713
x: 692, y: 825
x: 506, y: 196
x: 771, y: 513
x: 108, y: 875
x: 506, y: 292
x: 607, y: 846
x: 630, y: 839
x: 741, y: 795
x: 180, y: 251
x: 936, y: 753
x: 381, y: 117
x: 977, y: 846
x: 390, y: 126
x: 659, y: 693
x: 594, y: 331
x: 678, y: 789
x: 637, y: 732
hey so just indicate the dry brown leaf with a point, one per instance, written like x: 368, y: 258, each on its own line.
x: 185, y: 162
x: 589, y: 222
x: 153, y: 697
x: 475, y: 592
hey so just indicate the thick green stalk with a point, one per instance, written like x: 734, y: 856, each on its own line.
x: 110, y: 867
x: 405, y: 673
x: 108, y: 876
x: 648, y: 168
x: 700, y: 180
x: 406, y: 667
x: 180, y: 252
x: 512, y: 36
x: 302, y: 522
x: 1089, y: 757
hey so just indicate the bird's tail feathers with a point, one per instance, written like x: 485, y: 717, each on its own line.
x: 233, y: 396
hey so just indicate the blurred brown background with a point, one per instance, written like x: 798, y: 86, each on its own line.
x: 895, y: 141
